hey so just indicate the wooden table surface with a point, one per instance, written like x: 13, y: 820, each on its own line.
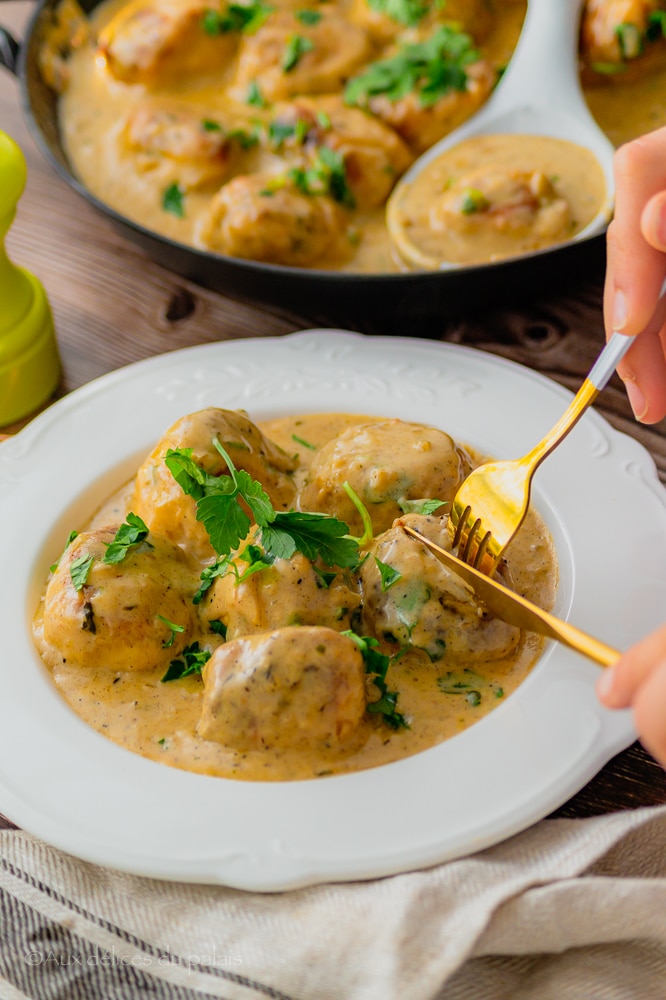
x: 113, y: 306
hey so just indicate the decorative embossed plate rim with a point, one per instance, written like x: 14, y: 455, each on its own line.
x: 68, y: 785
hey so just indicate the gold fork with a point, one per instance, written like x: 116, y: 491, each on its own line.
x: 492, y: 502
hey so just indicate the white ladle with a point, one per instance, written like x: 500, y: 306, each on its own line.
x: 539, y: 94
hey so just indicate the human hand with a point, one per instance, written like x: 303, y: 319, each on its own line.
x: 638, y: 680
x: 636, y: 270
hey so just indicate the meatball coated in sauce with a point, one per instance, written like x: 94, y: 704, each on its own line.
x: 428, y: 607
x: 159, y: 499
x: 258, y: 219
x: 285, y: 57
x: 421, y: 125
x: 373, y: 155
x: 289, y: 592
x: 290, y: 688
x: 173, y: 138
x: 147, y: 42
x: 383, y: 462
x: 616, y: 41
x: 112, y: 621
x: 473, y: 16
x: 510, y: 202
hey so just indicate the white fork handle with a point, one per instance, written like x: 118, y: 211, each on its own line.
x: 612, y: 354
x: 609, y: 359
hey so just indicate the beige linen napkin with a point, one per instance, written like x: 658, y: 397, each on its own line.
x: 569, y: 909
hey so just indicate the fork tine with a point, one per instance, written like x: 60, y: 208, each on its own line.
x: 481, y: 551
x: 459, y: 527
x: 468, y: 543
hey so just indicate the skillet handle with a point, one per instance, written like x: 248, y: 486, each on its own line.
x: 9, y: 51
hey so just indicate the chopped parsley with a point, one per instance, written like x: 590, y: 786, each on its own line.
x: 468, y: 685
x: 388, y: 574
x: 237, y: 17
x: 324, y: 578
x: 279, y: 132
x: 218, y: 627
x: 376, y: 666
x: 254, y: 96
x: 327, y: 175
x: 323, y: 120
x: 191, y: 661
x: 630, y: 40
x: 430, y: 69
x: 656, y: 25
x: 294, y: 51
x: 208, y: 125
x: 302, y: 441
x: 174, y: 630
x: 173, y: 200
x: 308, y: 17
x: 421, y: 506
x: 72, y: 535
x: 407, y: 12
x: 219, y: 568
x: 131, y: 533
x: 472, y: 201
x: 79, y: 569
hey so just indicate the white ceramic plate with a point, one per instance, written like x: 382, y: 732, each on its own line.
x: 600, y: 497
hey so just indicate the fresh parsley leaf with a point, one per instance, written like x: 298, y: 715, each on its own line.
x: 388, y: 574
x: 315, y: 535
x: 376, y: 666
x: 245, y: 139
x: 254, y: 96
x: 174, y: 630
x: 323, y: 120
x: 72, y: 535
x: 248, y: 489
x: 133, y: 531
x: 79, y: 569
x: 430, y: 69
x: 209, y: 125
x: 220, y: 567
x: 173, y: 200
x: 190, y: 477
x: 224, y: 519
x: 421, y: 506
x: 218, y: 627
x: 467, y: 685
x: 308, y: 17
x: 327, y: 175
x: 294, y: 51
x: 366, y: 537
x: 191, y: 661
x: 256, y: 559
x: 324, y: 578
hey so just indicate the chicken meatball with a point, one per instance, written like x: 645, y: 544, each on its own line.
x: 149, y: 41
x: 118, y: 615
x: 421, y: 124
x: 290, y: 688
x: 427, y: 606
x: 617, y: 39
x: 286, y: 56
x: 384, y: 463
x: 184, y: 145
x: 384, y: 21
x: 287, y: 592
x: 372, y: 154
x: 507, y: 202
x: 170, y: 512
x: 271, y: 219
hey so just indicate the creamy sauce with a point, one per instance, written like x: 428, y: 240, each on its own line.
x: 159, y: 720
x: 530, y: 192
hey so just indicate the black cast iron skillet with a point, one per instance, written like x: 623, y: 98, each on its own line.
x: 390, y: 303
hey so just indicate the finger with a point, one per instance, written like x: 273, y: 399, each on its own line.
x: 643, y: 370
x: 650, y: 712
x: 618, y: 685
x: 653, y: 222
x: 637, y: 268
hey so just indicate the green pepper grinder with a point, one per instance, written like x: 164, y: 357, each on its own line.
x: 29, y: 362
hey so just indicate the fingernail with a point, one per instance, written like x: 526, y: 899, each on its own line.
x: 636, y: 399
x: 619, y: 310
x: 605, y: 684
x: 660, y: 225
